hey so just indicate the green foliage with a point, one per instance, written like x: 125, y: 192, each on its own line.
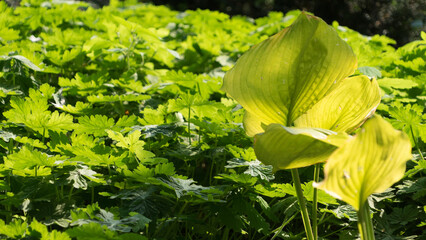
x: 114, y: 126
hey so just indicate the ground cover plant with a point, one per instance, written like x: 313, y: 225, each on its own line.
x: 114, y: 126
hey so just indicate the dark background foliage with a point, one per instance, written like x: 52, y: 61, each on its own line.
x: 401, y: 20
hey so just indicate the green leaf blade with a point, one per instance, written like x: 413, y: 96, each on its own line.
x: 345, y: 108
x: 369, y: 163
x: 281, y: 78
x: 287, y: 148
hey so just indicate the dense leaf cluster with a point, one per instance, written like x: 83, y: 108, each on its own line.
x: 114, y: 126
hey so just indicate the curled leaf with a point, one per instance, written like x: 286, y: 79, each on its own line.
x: 369, y: 163
x: 345, y: 108
x: 281, y: 78
x: 290, y: 147
x: 300, y: 78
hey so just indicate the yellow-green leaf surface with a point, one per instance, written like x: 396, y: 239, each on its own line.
x: 368, y: 163
x: 290, y: 147
x: 346, y: 107
x: 281, y: 78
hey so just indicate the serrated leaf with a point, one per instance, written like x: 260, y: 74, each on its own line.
x: 100, y: 98
x: 144, y: 201
x: 269, y: 191
x: 343, y: 211
x: 38, y: 229
x: 167, y: 169
x: 95, y: 125
x: 126, y: 121
x: 31, y: 142
x: 96, y: 43
x: 403, y: 216
x: 244, y: 179
x: 79, y: 108
x: 151, y: 131
x: 397, y: 83
x: 60, y: 58
x: 255, y: 168
x: 187, y: 187
x: 78, y: 176
x: 92, y: 231
x: 286, y: 188
x: 6, y: 136
x: 230, y: 218
x: 245, y: 153
x: 323, y: 197
x: 25, y: 61
x: 59, y: 122
x: 105, y: 218
x: 33, y: 113
x: 15, y: 229
x: 409, y: 119
x: 416, y: 188
x: 371, y: 72
x: 255, y: 220
x: 141, y: 173
x: 131, y: 142
x: 27, y: 158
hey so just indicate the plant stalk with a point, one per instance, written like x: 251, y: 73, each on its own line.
x: 301, y: 200
x: 416, y: 142
x: 365, y: 225
x: 189, y: 125
x: 315, y: 202
x: 280, y: 228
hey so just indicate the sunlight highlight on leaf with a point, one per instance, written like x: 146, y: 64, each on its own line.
x: 281, y: 78
x: 289, y: 147
x: 369, y: 163
x: 300, y: 78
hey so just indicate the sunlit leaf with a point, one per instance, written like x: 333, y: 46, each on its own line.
x: 370, y: 72
x: 95, y: 125
x: 255, y: 168
x: 100, y: 98
x: 281, y: 78
x: 33, y: 112
x: 409, y: 119
x: 369, y: 163
x: 79, y: 175
x: 345, y: 108
x: 289, y: 147
x: 23, y: 60
x: 27, y: 158
x: 15, y: 229
x: 397, y: 83
x: 91, y: 231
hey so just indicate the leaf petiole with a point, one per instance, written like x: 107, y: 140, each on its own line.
x: 315, y: 202
x: 301, y: 200
x: 365, y: 224
x: 416, y: 142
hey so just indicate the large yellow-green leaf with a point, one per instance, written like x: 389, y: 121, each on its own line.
x: 290, y: 147
x: 346, y: 107
x: 281, y: 78
x: 252, y: 125
x: 368, y: 163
